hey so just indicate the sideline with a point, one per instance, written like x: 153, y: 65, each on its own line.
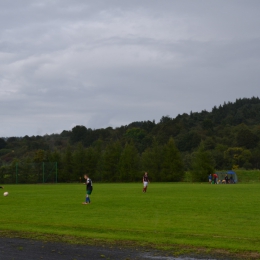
x: 19, y: 249
x: 25, y: 245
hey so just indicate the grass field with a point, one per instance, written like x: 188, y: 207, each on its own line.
x: 200, y: 215
x: 248, y: 176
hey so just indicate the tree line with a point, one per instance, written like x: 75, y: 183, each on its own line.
x: 225, y: 138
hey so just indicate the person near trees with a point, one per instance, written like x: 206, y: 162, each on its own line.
x: 210, y: 179
x: 145, y: 181
x: 89, y: 189
x: 226, y: 179
x: 215, y: 176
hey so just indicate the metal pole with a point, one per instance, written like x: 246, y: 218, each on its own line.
x: 16, y: 173
x: 56, y: 172
x: 43, y: 172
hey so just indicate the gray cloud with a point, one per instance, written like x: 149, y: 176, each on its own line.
x: 109, y: 63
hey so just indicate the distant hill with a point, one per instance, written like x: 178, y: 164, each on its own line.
x: 230, y: 133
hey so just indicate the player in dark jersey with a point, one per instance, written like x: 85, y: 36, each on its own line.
x: 145, y: 181
x: 89, y: 189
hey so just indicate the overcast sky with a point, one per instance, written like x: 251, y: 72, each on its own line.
x: 109, y: 63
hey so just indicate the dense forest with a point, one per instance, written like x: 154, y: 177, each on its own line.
x: 228, y: 137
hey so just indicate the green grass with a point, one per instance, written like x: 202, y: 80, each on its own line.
x: 248, y: 176
x: 201, y: 215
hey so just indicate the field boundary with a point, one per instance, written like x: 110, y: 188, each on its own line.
x: 174, y: 250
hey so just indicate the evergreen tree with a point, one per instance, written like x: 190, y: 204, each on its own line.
x: 99, y: 149
x: 218, y: 157
x: 2, y: 143
x: 93, y: 156
x: 55, y: 157
x: 152, y: 159
x: 202, y: 164
x: 78, y: 133
x: 129, y: 164
x: 245, y: 138
x: 111, y: 159
x: 79, y: 162
x: 172, y: 167
x: 67, y: 161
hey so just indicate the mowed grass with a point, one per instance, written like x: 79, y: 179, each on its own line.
x: 202, y: 215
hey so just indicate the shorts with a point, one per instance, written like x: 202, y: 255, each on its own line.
x: 89, y: 192
x: 145, y: 183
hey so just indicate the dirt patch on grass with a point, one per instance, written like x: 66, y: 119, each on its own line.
x: 26, y: 245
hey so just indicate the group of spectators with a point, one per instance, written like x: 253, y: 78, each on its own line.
x: 213, y: 179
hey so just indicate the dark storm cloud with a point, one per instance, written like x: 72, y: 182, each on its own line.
x: 108, y: 63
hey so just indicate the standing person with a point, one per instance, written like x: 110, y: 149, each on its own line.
x: 89, y: 188
x: 145, y: 181
x: 210, y: 179
x: 215, y: 176
x: 226, y: 179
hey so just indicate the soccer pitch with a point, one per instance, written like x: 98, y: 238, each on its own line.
x: 200, y: 215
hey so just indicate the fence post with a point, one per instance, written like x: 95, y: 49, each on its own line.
x: 56, y: 172
x: 42, y: 172
x: 16, y: 173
